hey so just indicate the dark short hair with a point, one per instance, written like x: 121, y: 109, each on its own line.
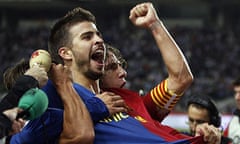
x: 117, y: 53
x: 11, y: 74
x: 60, y: 35
x: 236, y: 82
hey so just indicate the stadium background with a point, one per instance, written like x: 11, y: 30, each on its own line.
x: 207, y: 31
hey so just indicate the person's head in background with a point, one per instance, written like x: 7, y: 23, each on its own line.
x: 236, y: 89
x: 11, y: 74
x: 115, y: 69
x: 201, y: 109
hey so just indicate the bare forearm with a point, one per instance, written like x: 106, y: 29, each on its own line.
x: 77, y: 126
x: 180, y: 76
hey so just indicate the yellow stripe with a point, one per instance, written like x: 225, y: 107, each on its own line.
x: 163, y: 97
x: 157, y: 96
x: 160, y: 94
x: 154, y: 100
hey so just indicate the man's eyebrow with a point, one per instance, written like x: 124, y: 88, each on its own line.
x: 86, y: 33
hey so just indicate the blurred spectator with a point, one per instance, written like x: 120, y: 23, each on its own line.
x: 233, y: 129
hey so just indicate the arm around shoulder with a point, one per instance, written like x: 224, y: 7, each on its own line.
x: 78, y: 125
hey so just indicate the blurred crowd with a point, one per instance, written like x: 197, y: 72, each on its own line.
x: 211, y: 52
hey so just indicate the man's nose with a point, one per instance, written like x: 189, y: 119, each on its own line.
x: 98, y: 39
x: 123, y: 72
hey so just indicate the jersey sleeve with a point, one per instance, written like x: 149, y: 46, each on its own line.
x: 160, y: 101
x: 43, y: 130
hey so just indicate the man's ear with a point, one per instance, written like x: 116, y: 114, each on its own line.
x: 65, y: 53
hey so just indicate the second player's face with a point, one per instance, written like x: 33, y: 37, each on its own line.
x: 88, y: 49
x: 197, y: 116
x: 114, y: 75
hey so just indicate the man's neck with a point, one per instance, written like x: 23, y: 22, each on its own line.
x: 79, y: 78
x: 92, y: 85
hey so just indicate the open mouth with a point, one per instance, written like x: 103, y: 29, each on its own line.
x: 98, y: 56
